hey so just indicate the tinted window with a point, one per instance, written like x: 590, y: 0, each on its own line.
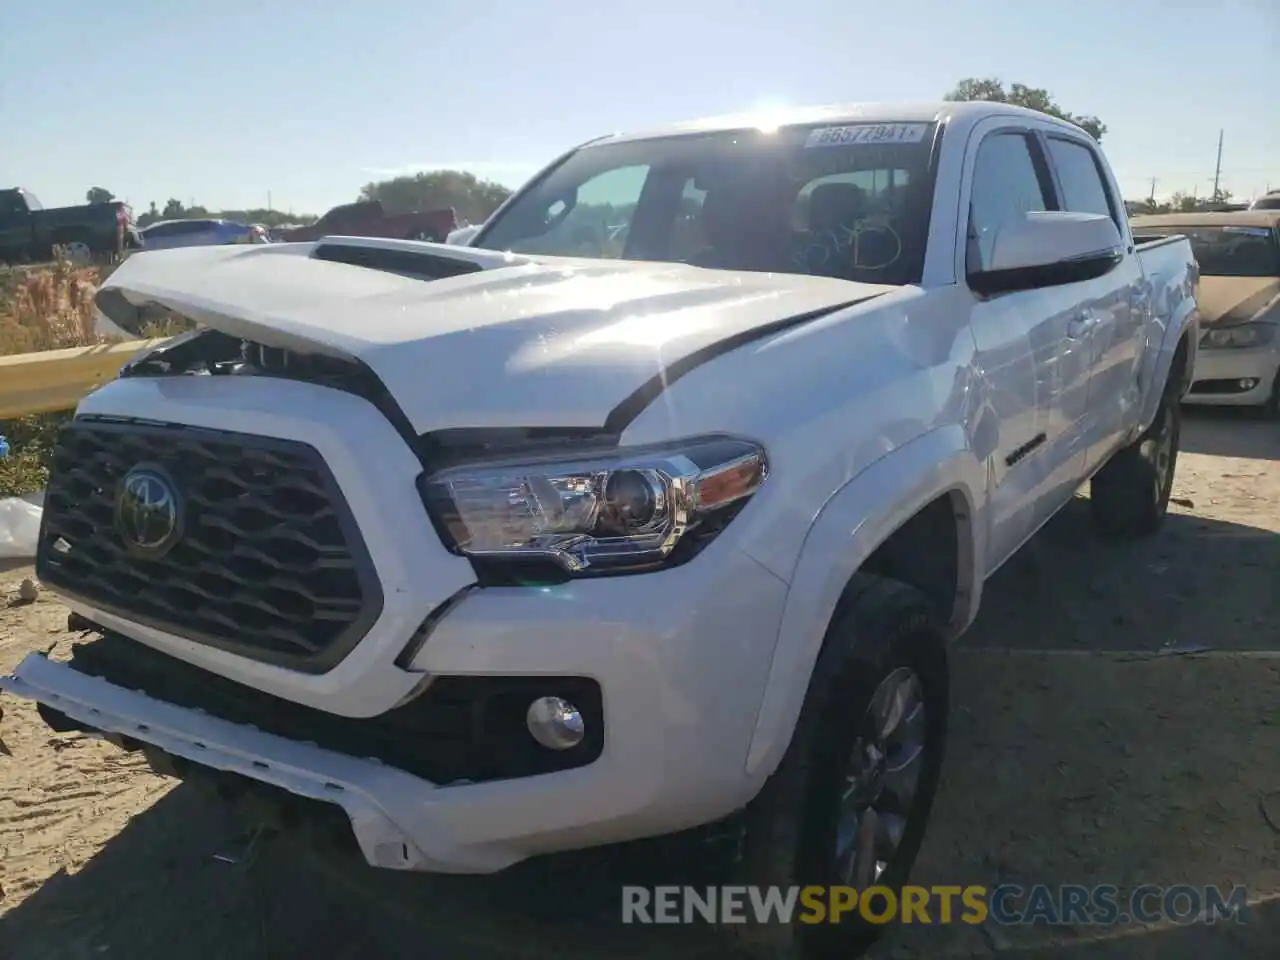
x: 1082, y: 188
x: 1231, y: 251
x: 1006, y: 185
x: 849, y: 201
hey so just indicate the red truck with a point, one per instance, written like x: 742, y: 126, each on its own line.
x: 367, y: 218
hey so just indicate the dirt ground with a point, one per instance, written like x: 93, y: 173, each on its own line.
x: 1116, y: 720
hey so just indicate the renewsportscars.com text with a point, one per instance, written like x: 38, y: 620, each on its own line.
x: 1008, y: 904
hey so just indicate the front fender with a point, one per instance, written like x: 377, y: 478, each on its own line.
x: 850, y: 526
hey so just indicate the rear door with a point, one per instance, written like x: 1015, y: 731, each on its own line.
x: 1112, y: 313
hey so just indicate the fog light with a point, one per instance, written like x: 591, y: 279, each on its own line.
x: 555, y: 723
x: 1248, y: 384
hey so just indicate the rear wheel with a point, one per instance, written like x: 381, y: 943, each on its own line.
x: 849, y: 803
x: 1129, y: 496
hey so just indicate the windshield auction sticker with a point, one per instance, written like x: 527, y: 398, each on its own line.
x: 867, y: 133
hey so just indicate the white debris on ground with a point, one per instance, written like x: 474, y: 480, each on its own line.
x: 19, y: 526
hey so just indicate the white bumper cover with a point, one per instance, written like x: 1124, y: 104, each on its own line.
x: 681, y: 657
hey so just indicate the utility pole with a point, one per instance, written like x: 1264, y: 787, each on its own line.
x: 1153, y: 191
x: 1217, y: 171
x: 268, y: 200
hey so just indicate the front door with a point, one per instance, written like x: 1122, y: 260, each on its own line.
x: 1035, y: 370
x: 1111, y: 315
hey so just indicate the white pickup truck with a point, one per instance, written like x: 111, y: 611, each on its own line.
x: 655, y: 507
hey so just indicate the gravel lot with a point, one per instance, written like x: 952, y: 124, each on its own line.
x: 1117, y: 720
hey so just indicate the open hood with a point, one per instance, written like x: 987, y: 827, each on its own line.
x: 463, y: 337
x: 1229, y: 300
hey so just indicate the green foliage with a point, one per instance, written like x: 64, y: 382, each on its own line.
x: 1034, y: 98
x: 31, y: 440
x: 471, y: 198
x: 1181, y: 203
x: 98, y: 195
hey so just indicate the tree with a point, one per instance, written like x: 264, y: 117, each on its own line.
x: 1182, y: 202
x: 99, y: 195
x: 472, y: 199
x: 175, y: 210
x: 1034, y: 98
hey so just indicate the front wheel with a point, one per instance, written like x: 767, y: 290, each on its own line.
x: 1129, y: 496
x: 849, y: 803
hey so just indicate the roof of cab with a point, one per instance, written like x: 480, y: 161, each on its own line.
x: 949, y: 110
x: 1232, y: 218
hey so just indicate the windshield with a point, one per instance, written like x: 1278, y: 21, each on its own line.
x: 849, y: 201
x: 1230, y: 251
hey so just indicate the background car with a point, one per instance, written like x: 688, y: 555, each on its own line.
x: 168, y: 234
x: 1269, y: 201
x: 462, y: 236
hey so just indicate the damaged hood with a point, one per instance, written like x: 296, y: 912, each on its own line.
x: 518, y: 341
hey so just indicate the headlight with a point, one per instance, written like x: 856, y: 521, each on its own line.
x: 1245, y: 335
x: 609, y: 511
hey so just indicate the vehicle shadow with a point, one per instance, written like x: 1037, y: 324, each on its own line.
x: 1081, y: 770
x: 1227, y: 432
x: 1201, y: 583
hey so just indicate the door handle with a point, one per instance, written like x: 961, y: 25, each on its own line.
x: 1079, y: 325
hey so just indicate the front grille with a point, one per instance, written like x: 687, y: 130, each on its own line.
x: 459, y: 728
x: 267, y: 563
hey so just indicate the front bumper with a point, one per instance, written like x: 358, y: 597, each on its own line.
x: 681, y: 657
x: 1219, y: 374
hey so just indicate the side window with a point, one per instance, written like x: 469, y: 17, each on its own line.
x: 1083, y: 189
x: 1006, y: 185
x: 594, y: 224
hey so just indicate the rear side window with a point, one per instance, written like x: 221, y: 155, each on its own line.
x: 1083, y: 190
x: 1007, y: 183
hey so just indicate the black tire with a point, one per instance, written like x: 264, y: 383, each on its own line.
x: 1129, y: 496
x: 790, y: 828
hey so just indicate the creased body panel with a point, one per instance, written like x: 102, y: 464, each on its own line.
x: 547, y: 343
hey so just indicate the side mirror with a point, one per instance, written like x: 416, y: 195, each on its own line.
x: 1048, y: 249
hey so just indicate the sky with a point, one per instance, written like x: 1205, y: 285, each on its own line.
x: 232, y: 103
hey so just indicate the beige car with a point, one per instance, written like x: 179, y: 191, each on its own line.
x: 1239, y: 298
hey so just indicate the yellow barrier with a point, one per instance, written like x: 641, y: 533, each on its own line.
x: 58, y: 379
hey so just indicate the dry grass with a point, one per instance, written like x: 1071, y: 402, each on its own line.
x: 49, y: 307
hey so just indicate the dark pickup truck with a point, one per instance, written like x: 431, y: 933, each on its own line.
x: 30, y: 232
x: 367, y: 218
